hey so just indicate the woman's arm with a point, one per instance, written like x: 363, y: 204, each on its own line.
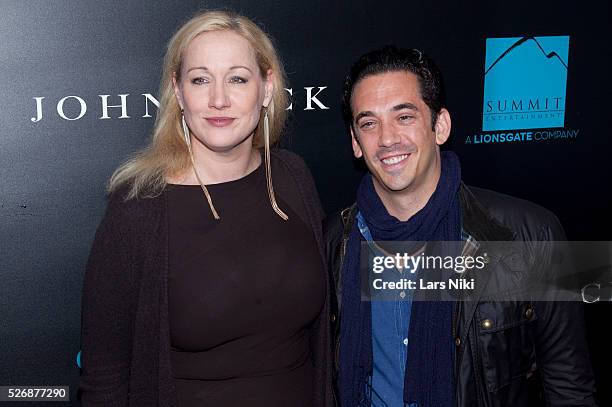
x: 107, y: 314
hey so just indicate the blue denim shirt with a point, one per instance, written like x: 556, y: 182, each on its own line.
x: 390, y: 325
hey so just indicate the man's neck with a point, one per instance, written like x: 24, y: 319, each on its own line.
x: 403, y: 205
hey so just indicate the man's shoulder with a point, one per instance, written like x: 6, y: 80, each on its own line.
x: 526, y: 220
x: 337, y: 222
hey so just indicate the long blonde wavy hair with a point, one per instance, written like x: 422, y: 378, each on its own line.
x: 167, y: 154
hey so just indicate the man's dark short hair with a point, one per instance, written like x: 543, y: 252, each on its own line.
x: 392, y: 59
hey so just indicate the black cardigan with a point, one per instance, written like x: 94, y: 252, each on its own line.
x: 125, y: 332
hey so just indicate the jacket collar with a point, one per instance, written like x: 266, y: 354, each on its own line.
x: 477, y: 221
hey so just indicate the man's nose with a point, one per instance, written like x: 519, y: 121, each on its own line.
x: 388, y: 135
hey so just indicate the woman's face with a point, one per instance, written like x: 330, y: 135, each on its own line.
x: 221, y: 90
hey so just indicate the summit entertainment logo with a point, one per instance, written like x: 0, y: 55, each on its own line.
x: 525, y: 82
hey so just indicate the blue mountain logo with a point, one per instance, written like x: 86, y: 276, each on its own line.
x: 525, y: 82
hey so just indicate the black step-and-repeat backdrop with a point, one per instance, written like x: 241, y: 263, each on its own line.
x: 528, y: 87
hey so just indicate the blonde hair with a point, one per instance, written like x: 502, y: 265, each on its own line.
x: 168, y: 154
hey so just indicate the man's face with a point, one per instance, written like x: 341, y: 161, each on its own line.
x: 392, y: 130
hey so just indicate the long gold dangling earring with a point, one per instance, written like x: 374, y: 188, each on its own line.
x: 187, y: 137
x: 278, y: 210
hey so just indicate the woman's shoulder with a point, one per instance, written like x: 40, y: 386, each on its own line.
x: 122, y: 204
x: 302, y: 180
x: 287, y: 156
x: 293, y: 162
x: 295, y: 166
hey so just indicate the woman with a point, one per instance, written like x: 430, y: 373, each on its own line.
x: 205, y: 284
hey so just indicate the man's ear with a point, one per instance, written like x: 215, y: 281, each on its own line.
x: 177, y: 91
x: 269, y: 88
x: 442, y: 127
x: 356, y: 147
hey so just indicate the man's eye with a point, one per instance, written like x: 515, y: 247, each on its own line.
x: 405, y: 117
x: 199, y: 81
x: 237, y: 79
x: 367, y: 124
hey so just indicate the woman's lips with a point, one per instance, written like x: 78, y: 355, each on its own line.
x: 220, y: 121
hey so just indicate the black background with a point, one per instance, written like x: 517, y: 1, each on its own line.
x: 53, y: 172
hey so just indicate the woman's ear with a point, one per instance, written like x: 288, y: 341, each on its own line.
x: 177, y: 91
x: 268, y: 88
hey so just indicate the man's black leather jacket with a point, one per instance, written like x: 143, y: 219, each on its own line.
x: 527, y: 353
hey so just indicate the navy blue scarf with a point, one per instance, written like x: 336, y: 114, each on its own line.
x: 429, y: 380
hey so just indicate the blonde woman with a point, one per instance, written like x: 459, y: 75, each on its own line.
x: 206, y: 284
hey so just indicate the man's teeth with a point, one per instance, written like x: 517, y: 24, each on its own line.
x: 395, y: 160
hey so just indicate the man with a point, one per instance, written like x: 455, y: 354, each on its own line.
x: 439, y: 353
